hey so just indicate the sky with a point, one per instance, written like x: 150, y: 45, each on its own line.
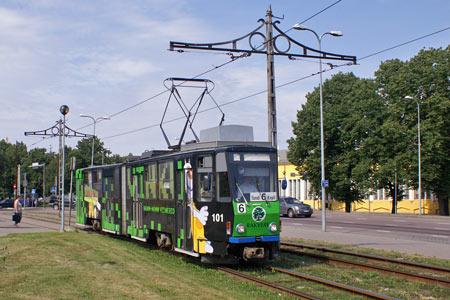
x: 110, y: 59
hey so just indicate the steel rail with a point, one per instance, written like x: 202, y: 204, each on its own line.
x: 379, y: 269
x: 370, y: 256
x: 272, y: 285
x: 333, y: 284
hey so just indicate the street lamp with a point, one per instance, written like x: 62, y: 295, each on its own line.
x: 93, y: 137
x: 322, y: 151
x: 418, y: 155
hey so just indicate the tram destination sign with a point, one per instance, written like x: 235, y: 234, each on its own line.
x: 264, y: 196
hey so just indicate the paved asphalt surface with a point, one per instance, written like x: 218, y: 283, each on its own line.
x: 423, y: 235
x: 28, y: 224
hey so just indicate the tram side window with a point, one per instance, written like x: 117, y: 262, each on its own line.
x: 87, y: 180
x: 150, y: 183
x: 166, y: 182
x: 130, y: 193
x: 223, y: 186
x: 97, y: 176
x: 204, y: 179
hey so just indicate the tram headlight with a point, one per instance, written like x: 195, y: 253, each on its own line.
x: 273, y: 227
x: 240, y: 228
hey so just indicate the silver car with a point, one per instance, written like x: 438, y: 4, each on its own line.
x: 293, y: 207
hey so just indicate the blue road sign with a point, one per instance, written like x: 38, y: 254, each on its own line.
x: 33, y: 191
x: 324, y: 183
x: 284, y: 184
x: 53, y: 190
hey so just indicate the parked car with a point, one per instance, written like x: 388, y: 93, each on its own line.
x: 56, y: 203
x: 293, y: 207
x: 6, y: 203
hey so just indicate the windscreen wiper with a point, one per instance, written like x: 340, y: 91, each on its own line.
x: 243, y: 196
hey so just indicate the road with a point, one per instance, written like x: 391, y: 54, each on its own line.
x: 424, y: 235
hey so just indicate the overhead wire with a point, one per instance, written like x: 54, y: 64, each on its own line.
x: 233, y: 58
x: 304, y: 21
x: 333, y: 67
x: 405, y: 43
x: 316, y: 14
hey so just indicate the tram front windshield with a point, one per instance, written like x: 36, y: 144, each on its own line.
x: 253, y: 176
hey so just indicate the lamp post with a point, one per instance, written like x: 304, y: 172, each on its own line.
x: 93, y: 137
x: 322, y: 150
x: 64, y: 109
x: 418, y: 154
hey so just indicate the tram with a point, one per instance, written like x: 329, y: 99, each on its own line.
x: 215, y: 199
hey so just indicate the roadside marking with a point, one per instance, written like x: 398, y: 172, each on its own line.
x: 439, y: 236
x: 383, y: 230
x: 349, y: 222
x: 399, y: 220
x: 440, y: 229
x: 361, y: 218
x: 444, y: 223
x: 297, y: 224
x: 336, y: 227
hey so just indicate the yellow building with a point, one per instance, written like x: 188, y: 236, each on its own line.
x: 379, y: 202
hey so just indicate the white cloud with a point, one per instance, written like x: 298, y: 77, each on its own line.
x: 99, y: 69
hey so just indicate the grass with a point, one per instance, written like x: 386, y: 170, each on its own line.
x: 75, y: 265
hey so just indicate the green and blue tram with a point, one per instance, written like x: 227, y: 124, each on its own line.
x: 215, y: 200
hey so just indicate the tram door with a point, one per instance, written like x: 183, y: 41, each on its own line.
x: 183, y: 229
x: 137, y: 208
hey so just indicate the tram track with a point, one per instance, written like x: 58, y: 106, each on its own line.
x: 333, y: 284
x: 371, y: 267
x: 268, y: 284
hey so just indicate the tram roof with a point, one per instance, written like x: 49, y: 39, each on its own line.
x: 221, y: 144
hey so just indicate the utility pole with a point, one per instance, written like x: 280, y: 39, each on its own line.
x: 270, y: 49
x: 271, y: 99
x: 61, y: 130
x: 18, y: 181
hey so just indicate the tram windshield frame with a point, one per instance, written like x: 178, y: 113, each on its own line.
x: 253, y: 176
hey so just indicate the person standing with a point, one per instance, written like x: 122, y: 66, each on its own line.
x: 17, y: 217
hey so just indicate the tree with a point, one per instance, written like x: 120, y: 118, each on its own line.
x: 7, y: 169
x: 12, y: 155
x: 382, y: 149
x: 342, y: 143
x: 83, y: 153
x: 426, y: 78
